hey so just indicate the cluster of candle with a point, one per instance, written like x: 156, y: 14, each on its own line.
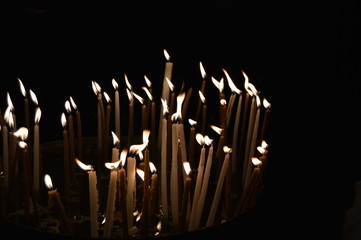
x: 227, y: 179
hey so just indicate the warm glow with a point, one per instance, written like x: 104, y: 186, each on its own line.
x: 83, y: 166
x: 22, y: 88
x: 73, y: 103
x: 67, y: 106
x: 170, y: 84
x: 256, y: 161
x: 187, y: 168
x: 140, y: 173
x: 180, y: 99
x: 201, y: 96
x: 233, y: 87
x: 252, y: 89
x: 203, y: 72
x: 96, y: 88
x: 166, y: 55
x: 33, y: 97
x: 192, y: 122
x: 140, y: 99
x: 152, y: 168
x: 266, y: 104
x: 48, y: 182
x: 37, y: 115
x: 115, y: 138
x: 261, y: 150
x: 147, y: 81
x: 223, y: 102
x: 226, y: 149
x: 246, y: 80
x: 217, y: 129
x: 165, y: 107
x: 200, y: 139
x: 7, y: 114
x: 10, y: 103
x: 22, y: 133
x: 146, y: 134
x: 63, y: 120
x: 264, y: 144
x: 107, y: 98
x: 23, y: 145
x: 112, y: 165
x: 123, y: 157
x: 258, y: 101
x: 137, y: 148
x: 115, y: 84
x: 218, y: 84
x: 208, y: 141
x: 148, y: 93
x: 127, y: 82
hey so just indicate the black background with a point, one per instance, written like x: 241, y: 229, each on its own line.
x: 305, y: 58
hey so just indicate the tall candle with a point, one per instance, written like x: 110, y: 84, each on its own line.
x: 117, y: 107
x: 123, y: 192
x: 186, y: 102
x: 236, y: 168
x: 36, y: 161
x: 93, y: 197
x: 203, y: 87
x: 146, y: 191
x: 131, y: 170
x: 79, y: 129
x: 106, y: 126
x: 131, y: 117
x: 66, y: 157
x: 5, y: 157
x: 219, y: 187
x: 186, y: 191
x: 109, y: 215
x: 26, y: 104
x: 174, y: 175
x: 164, y: 159
x: 204, y: 112
x: 71, y: 141
x: 265, y: 123
x: 100, y: 115
x: 192, y: 135
x: 153, y: 198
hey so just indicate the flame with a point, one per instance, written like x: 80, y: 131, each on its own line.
x: 204, y: 75
x: 115, y: 84
x: 152, y: 167
x: 166, y: 55
x: 10, y: 103
x: 63, y: 120
x: 221, y: 85
x: 148, y: 93
x: 67, y: 106
x: 22, y: 88
x: 226, y: 149
x: 258, y: 101
x: 137, y: 148
x: 7, y: 114
x: 115, y: 139
x: 22, y: 133
x: 165, y: 106
x: 37, y: 115
x: 23, y: 144
x: 33, y: 97
x: 48, y: 182
x: 112, y: 165
x: 11, y: 120
x: 73, y: 103
x: 217, y: 129
x: 140, y: 173
x: 216, y: 83
x: 246, y: 80
x: 147, y: 81
x: 264, y: 144
x: 233, y: 87
x: 192, y: 122
x: 127, y: 82
x: 252, y: 89
x: 180, y: 99
x: 266, y: 104
x: 223, y: 102
x: 146, y: 134
x: 261, y: 150
x: 123, y: 157
x: 208, y: 141
x: 107, y: 98
x: 187, y: 168
x: 140, y: 99
x: 200, y: 139
x: 203, y: 99
x: 83, y: 166
x: 256, y: 161
x: 96, y: 87
x: 170, y: 84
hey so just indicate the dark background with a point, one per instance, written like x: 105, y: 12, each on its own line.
x: 305, y: 58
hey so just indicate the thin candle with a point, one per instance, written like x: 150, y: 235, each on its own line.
x: 186, y: 192
x: 79, y: 128
x: 117, y: 107
x: 71, y: 140
x: 204, y: 112
x: 153, y: 199
x: 107, y: 125
x: 66, y: 156
x: 266, y: 120
x: 172, y: 103
x: 123, y: 192
x: 146, y: 191
x: 192, y: 136
x: 203, y: 87
x: 164, y: 160
x: 148, y: 91
x: 131, y: 116
x: 6, y: 167
x: 36, y: 161
x: 100, y: 120
x: 174, y: 171
x: 115, y: 149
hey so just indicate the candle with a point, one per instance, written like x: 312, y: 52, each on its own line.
x: 204, y: 112
x: 197, y: 190
x: 146, y: 191
x: 123, y: 192
x: 192, y: 135
x: 54, y: 198
x: 93, y: 197
x: 36, y: 166
x: 204, y: 75
x: 153, y: 193
x: 149, y: 94
x: 66, y: 156
x: 181, y: 134
x: 131, y: 117
x: 164, y: 160
x: 219, y: 187
x: 186, y: 102
x: 174, y: 171
x: 186, y: 191
x: 71, y: 140
x: 245, y: 116
x: 100, y: 115
x: 109, y: 215
x: 115, y: 149
x: 79, y: 129
x: 236, y: 168
x: 6, y: 151
x: 117, y: 107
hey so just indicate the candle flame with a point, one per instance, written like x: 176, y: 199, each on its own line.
x: 140, y: 173
x: 37, y: 115
x: 200, y: 139
x: 227, y: 150
x: 112, y: 165
x: 166, y: 55
x: 130, y: 95
x: 264, y: 144
x: 258, y: 101
x: 192, y: 122
x: 231, y: 84
x: 252, y: 89
x: 246, y: 80
x: 146, y: 134
x: 33, y: 97
x: 256, y: 161
x: 180, y: 99
x: 107, y: 98
x: 22, y: 133
x: 73, y: 103
x: 217, y: 129
x: 67, y: 106
x: 140, y: 99
x: 165, y: 106
x: 96, y: 87
x: 223, y: 102
x: 208, y: 141
x: 23, y: 145
x: 152, y: 168
x: 7, y: 114
x: 137, y: 148
x: 123, y: 157
x: 63, y: 120
x: 261, y: 150
x: 216, y: 83
x: 203, y: 72
x: 266, y: 104
x: 187, y: 168
x: 48, y: 181
x: 83, y: 166
x: 127, y: 82
x: 201, y: 96
x: 115, y: 139
x: 10, y: 103
x: 22, y: 88
x: 170, y: 84
x: 115, y: 84
x: 147, y: 81
x: 148, y: 93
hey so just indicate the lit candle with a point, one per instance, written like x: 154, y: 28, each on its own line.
x: 149, y: 93
x: 107, y: 126
x: 186, y: 102
x: 204, y: 75
x: 236, y: 168
x: 152, y: 123
x: 93, y: 197
x: 6, y: 151
x: 192, y: 136
x: 36, y: 166
x: 153, y: 192
x: 174, y: 171
x: 123, y: 192
x: 245, y: 116
x: 146, y: 109
x: 265, y: 123
x: 186, y: 191
x: 146, y: 191
x: 181, y: 134
x: 167, y: 75
x: 66, y: 156
x: 26, y: 104
x: 117, y: 107
x: 54, y: 198
x: 115, y: 149
x: 164, y: 160
x: 79, y: 129
x: 219, y: 187
x: 197, y: 189
x: 71, y: 140
x: 109, y: 215
x: 131, y: 110
x: 100, y: 115
x: 204, y: 112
